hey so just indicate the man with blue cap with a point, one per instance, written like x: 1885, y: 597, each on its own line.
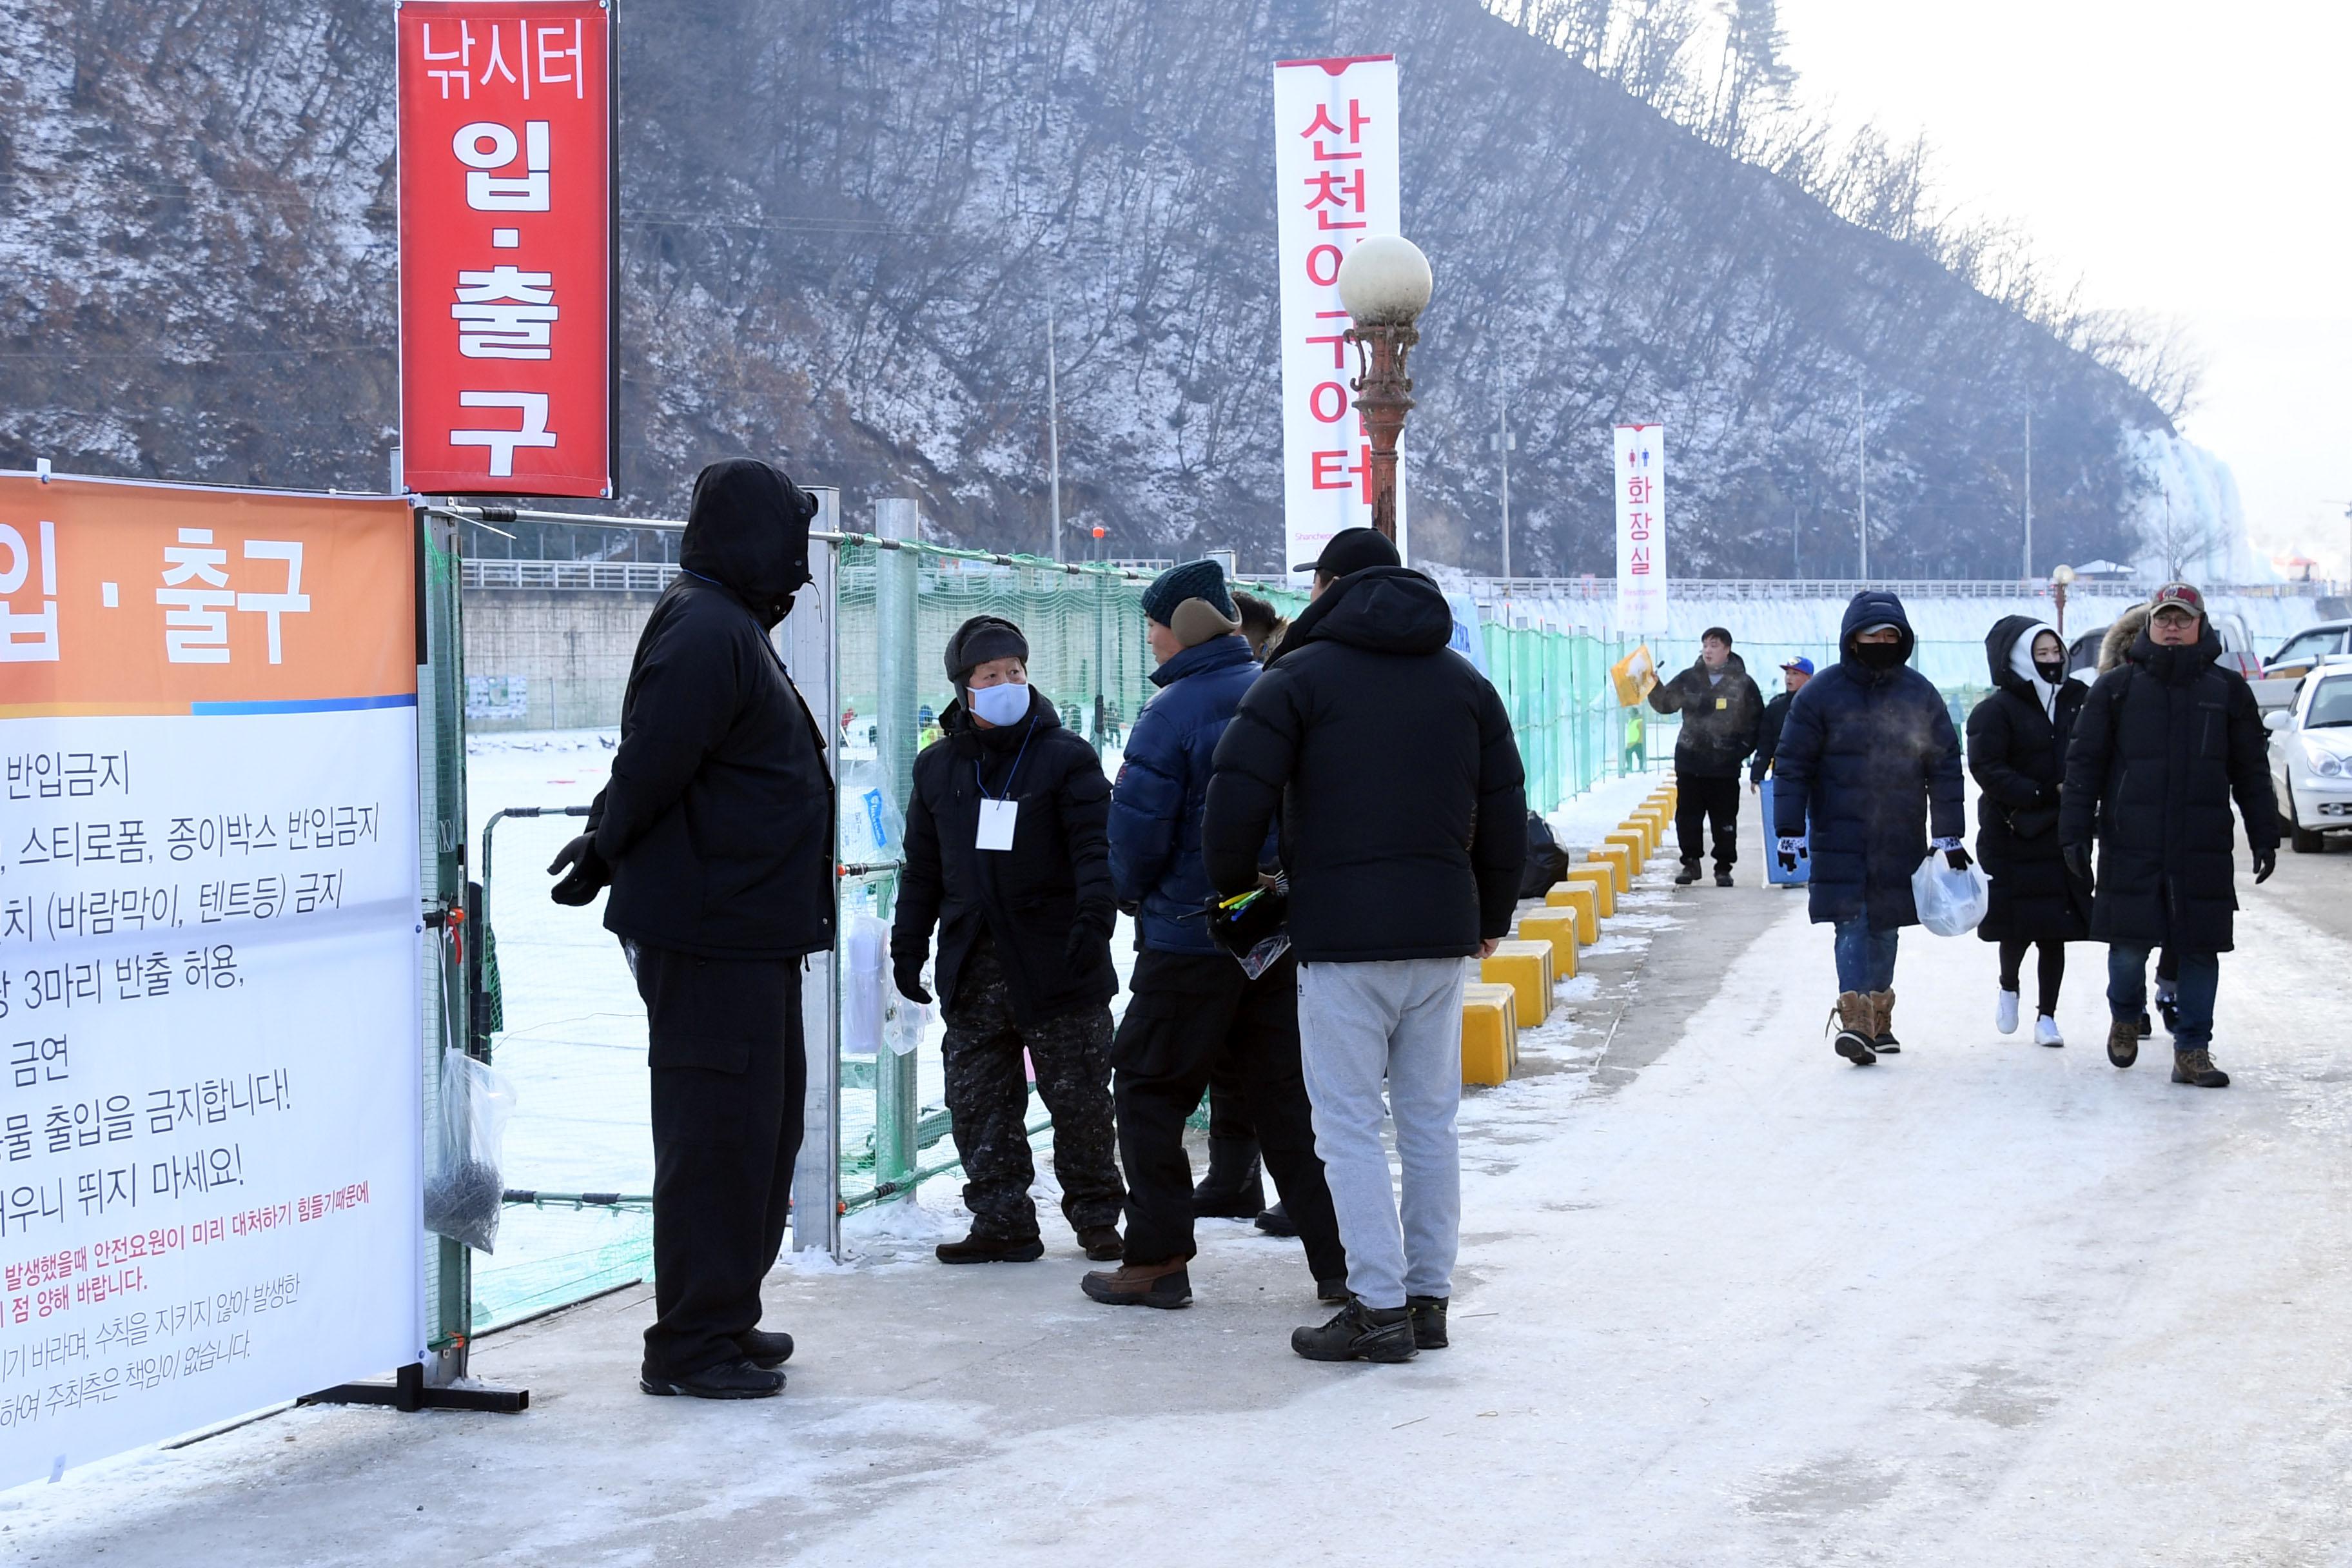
x: 1794, y: 676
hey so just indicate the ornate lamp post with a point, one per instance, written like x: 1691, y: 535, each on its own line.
x: 2059, y: 577
x: 1383, y: 284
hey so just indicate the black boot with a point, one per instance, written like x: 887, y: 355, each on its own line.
x: 978, y: 1249
x: 1275, y: 1221
x: 763, y: 1350
x: 1722, y: 877
x: 727, y: 1380
x: 1357, y: 1332
x: 1334, y: 1290
x: 1101, y: 1243
x: 1428, y: 1321
x: 1233, y: 1189
x: 1687, y: 875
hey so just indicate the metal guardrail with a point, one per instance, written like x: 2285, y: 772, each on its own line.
x: 604, y: 576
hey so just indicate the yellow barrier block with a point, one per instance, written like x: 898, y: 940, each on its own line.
x: 1526, y: 967
x: 1490, y: 1033
x: 1635, y: 841
x: 1559, y: 930
x: 1616, y: 857
x: 1580, y: 898
x: 1602, y: 881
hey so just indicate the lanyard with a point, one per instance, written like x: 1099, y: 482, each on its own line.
x: 980, y: 780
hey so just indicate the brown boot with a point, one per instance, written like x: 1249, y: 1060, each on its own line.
x: 1857, y: 1024
x: 1882, y: 1018
x: 2123, y: 1041
x: 1164, y: 1285
x: 2197, y: 1067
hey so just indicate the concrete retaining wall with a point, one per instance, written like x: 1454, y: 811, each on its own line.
x: 568, y: 647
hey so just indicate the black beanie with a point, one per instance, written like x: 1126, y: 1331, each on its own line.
x: 1203, y: 579
x: 979, y: 639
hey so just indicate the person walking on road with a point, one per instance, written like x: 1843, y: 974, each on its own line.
x: 715, y: 835
x: 1192, y: 1008
x: 1721, y: 709
x: 1005, y: 853
x: 2017, y: 750
x: 2162, y: 745
x: 1869, y: 757
x: 1794, y: 676
x: 1391, y: 766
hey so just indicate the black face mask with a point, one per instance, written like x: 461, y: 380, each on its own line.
x: 2053, y: 670
x: 1879, y: 655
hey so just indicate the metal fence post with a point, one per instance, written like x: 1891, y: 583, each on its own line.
x: 895, y: 588
x: 808, y: 641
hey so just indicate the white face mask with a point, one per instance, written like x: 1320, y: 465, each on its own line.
x: 1002, y: 705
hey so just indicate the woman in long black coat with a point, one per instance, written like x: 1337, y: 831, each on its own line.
x: 2017, y: 753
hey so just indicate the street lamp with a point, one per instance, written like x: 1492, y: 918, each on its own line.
x: 2059, y: 577
x: 1383, y: 284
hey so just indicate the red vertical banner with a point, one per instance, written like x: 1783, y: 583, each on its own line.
x: 507, y: 202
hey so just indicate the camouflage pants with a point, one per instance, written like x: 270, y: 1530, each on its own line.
x: 988, y: 1101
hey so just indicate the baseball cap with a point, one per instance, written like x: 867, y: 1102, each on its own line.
x: 1803, y: 666
x: 1352, y: 550
x: 2180, y: 594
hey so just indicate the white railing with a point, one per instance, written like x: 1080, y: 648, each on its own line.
x: 1606, y: 587
x: 604, y: 576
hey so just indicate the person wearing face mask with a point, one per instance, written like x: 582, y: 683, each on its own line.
x: 2163, y: 744
x: 1869, y: 756
x: 1005, y: 854
x: 2016, y: 749
x: 715, y: 836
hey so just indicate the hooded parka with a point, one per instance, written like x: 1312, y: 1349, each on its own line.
x: 2017, y: 748
x: 718, y: 820
x: 1872, y: 757
x: 1391, y: 763
x: 2163, y: 743
x: 1031, y: 899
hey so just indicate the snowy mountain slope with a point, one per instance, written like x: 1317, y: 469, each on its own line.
x: 846, y: 222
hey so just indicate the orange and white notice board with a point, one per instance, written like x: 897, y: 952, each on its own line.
x: 210, y: 957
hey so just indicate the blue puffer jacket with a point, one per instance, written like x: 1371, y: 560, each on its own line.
x: 1156, y: 805
x: 1872, y: 755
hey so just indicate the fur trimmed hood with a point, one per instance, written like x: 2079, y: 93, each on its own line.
x: 2121, y: 636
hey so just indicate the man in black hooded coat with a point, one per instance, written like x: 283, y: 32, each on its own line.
x: 715, y: 834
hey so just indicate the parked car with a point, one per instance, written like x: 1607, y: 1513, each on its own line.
x: 2283, y: 670
x: 2311, y: 756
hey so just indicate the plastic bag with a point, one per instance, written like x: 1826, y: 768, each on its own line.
x: 866, y: 989
x: 1950, y: 902
x: 1634, y: 676
x: 1253, y: 926
x: 466, y: 1192
x: 873, y: 829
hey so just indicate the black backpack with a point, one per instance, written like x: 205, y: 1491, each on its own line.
x: 1546, y: 861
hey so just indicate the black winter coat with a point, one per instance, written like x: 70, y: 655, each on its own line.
x: 718, y: 821
x: 1719, y: 719
x: 1871, y: 755
x: 2162, y: 743
x: 1054, y: 880
x: 2016, y: 749
x: 1392, y: 763
x: 1768, y: 735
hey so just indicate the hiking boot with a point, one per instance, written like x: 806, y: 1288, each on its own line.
x: 1164, y: 1285
x: 763, y: 1350
x: 1856, y: 1021
x: 2145, y: 1028
x: 2123, y: 1042
x: 1687, y: 875
x: 2197, y: 1067
x: 1882, y: 1020
x: 1723, y: 880
x: 1332, y: 1290
x: 729, y: 1380
x: 1275, y: 1221
x: 1428, y: 1321
x: 1357, y: 1332
x: 1233, y: 1188
x: 1101, y: 1243
x: 978, y: 1249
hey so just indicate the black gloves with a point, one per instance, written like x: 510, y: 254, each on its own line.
x: 583, y: 873
x: 2265, y: 862
x: 1958, y: 859
x: 908, y: 974
x: 1085, y: 946
x: 2078, y: 862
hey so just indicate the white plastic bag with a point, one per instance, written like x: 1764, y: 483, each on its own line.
x: 1950, y: 902
x: 866, y: 990
x: 466, y: 1192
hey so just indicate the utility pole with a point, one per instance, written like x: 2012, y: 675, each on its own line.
x: 1054, y: 432
x: 2029, y: 492
x: 1502, y: 443
x: 1862, y: 468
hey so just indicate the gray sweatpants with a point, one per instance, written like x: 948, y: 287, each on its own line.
x: 1400, y: 1019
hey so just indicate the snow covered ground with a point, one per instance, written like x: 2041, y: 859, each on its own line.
x: 1722, y: 1299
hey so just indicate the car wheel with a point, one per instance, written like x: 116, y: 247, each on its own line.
x: 2303, y: 839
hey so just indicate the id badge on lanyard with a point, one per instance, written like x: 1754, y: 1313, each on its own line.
x: 996, y: 820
